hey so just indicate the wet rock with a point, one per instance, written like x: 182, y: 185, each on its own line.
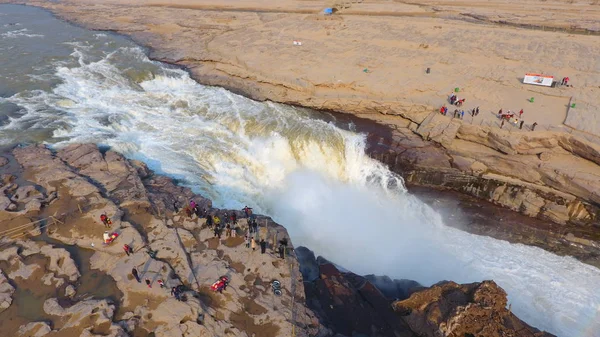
x: 61, y: 262
x: 70, y: 291
x: 22, y: 270
x: 6, y: 203
x: 3, y: 161
x: 33, y: 206
x: 35, y: 329
x: 114, y: 330
x: 394, y: 289
x: 24, y: 194
x: 6, y: 291
x: 51, y: 307
x: 101, y: 311
x: 50, y: 280
x: 439, y: 128
x: 172, y: 311
x: 350, y: 305
x: 9, y: 253
x: 476, y: 309
x: 168, y: 242
x: 308, y: 264
x: 186, y: 329
x: 29, y: 247
x: 46, y: 169
x: 109, y: 170
x: 129, y: 323
x: 120, y: 271
x: 166, y: 195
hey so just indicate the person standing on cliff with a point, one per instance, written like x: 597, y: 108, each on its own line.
x: 148, y: 283
x: 521, y: 114
x: 477, y: 111
x: 281, y: 251
x: 502, y: 123
x: 253, y: 244
x: 533, y: 126
x: 263, y: 246
x: 209, y: 221
x: 135, y: 274
x: 521, y: 124
x: 234, y: 218
x: 248, y: 211
x: 228, y: 230
x: 128, y: 250
x: 105, y: 220
x: 247, y: 238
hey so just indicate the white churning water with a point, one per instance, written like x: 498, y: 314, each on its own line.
x: 309, y: 175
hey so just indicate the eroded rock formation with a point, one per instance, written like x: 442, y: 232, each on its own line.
x: 450, y: 309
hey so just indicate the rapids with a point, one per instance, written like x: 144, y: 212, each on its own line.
x: 293, y: 164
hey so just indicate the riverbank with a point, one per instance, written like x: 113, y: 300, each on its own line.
x: 58, y: 278
x: 246, y: 47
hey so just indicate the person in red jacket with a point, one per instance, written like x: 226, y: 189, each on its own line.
x: 128, y: 250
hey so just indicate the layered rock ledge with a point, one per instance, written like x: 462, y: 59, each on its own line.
x: 82, y: 287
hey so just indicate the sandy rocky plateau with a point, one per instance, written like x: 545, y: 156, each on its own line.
x: 69, y: 189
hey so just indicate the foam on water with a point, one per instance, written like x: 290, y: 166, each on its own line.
x: 14, y: 34
x: 311, y: 176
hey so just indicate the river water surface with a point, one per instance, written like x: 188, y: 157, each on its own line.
x: 61, y: 84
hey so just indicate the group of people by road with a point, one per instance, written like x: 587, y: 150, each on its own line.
x: 508, y: 116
